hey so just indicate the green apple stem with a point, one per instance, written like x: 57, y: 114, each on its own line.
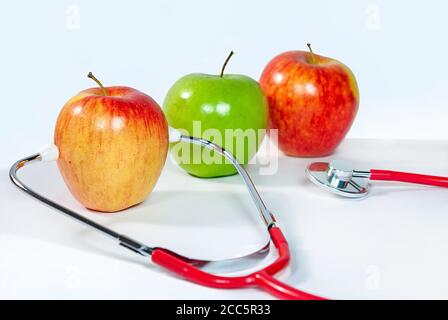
x: 312, y: 56
x: 225, y: 63
x: 91, y: 76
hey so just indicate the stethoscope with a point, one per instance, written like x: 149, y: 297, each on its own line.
x: 339, y: 177
x: 191, y: 269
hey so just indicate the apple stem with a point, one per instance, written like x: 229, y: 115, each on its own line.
x: 91, y: 76
x: 225, y: 63
x: 313, y: 57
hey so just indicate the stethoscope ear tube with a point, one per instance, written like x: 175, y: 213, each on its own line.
x: 45, y: 155
x: 176, y: 263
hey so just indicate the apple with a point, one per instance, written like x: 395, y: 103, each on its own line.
x: 113, y: 143
x: 226, y: 104
x: 313, y: 101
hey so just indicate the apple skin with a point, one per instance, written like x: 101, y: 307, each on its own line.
x: 228, y: 102
x: 313, y: 105
x: 111, y: 148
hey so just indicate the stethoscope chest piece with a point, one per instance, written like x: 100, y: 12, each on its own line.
x: 339, y: 178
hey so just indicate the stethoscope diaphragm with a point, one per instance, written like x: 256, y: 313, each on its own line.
x: 340, y: 178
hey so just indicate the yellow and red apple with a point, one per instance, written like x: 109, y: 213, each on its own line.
x: 113, y: 143
x: 313, y: 101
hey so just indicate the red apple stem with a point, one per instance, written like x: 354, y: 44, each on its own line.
x: 225, y: 63
x: 91, y: 76
x: 312, y: 56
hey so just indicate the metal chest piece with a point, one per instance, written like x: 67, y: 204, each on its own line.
x: 340, y: 178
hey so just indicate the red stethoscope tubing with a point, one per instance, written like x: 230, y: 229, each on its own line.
x: 388, y: 175
x: 263, y: 279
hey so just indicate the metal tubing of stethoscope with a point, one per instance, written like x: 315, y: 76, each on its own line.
x: 123, y: 240
x: 361, y: 174
x: 265, y: 213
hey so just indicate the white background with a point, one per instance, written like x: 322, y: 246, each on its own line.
x: 397, y: 50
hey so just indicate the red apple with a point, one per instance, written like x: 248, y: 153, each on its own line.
x: 112, y: 144
x: 313, y: 101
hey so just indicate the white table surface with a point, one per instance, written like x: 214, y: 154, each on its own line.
x: 393, y: 244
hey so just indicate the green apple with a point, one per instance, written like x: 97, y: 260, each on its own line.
x: 228, y: 109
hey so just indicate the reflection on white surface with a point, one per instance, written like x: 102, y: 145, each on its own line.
x: 340, y: 248
x: 201, y: 224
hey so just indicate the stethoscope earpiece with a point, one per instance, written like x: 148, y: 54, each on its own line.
x: 49, y: 153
